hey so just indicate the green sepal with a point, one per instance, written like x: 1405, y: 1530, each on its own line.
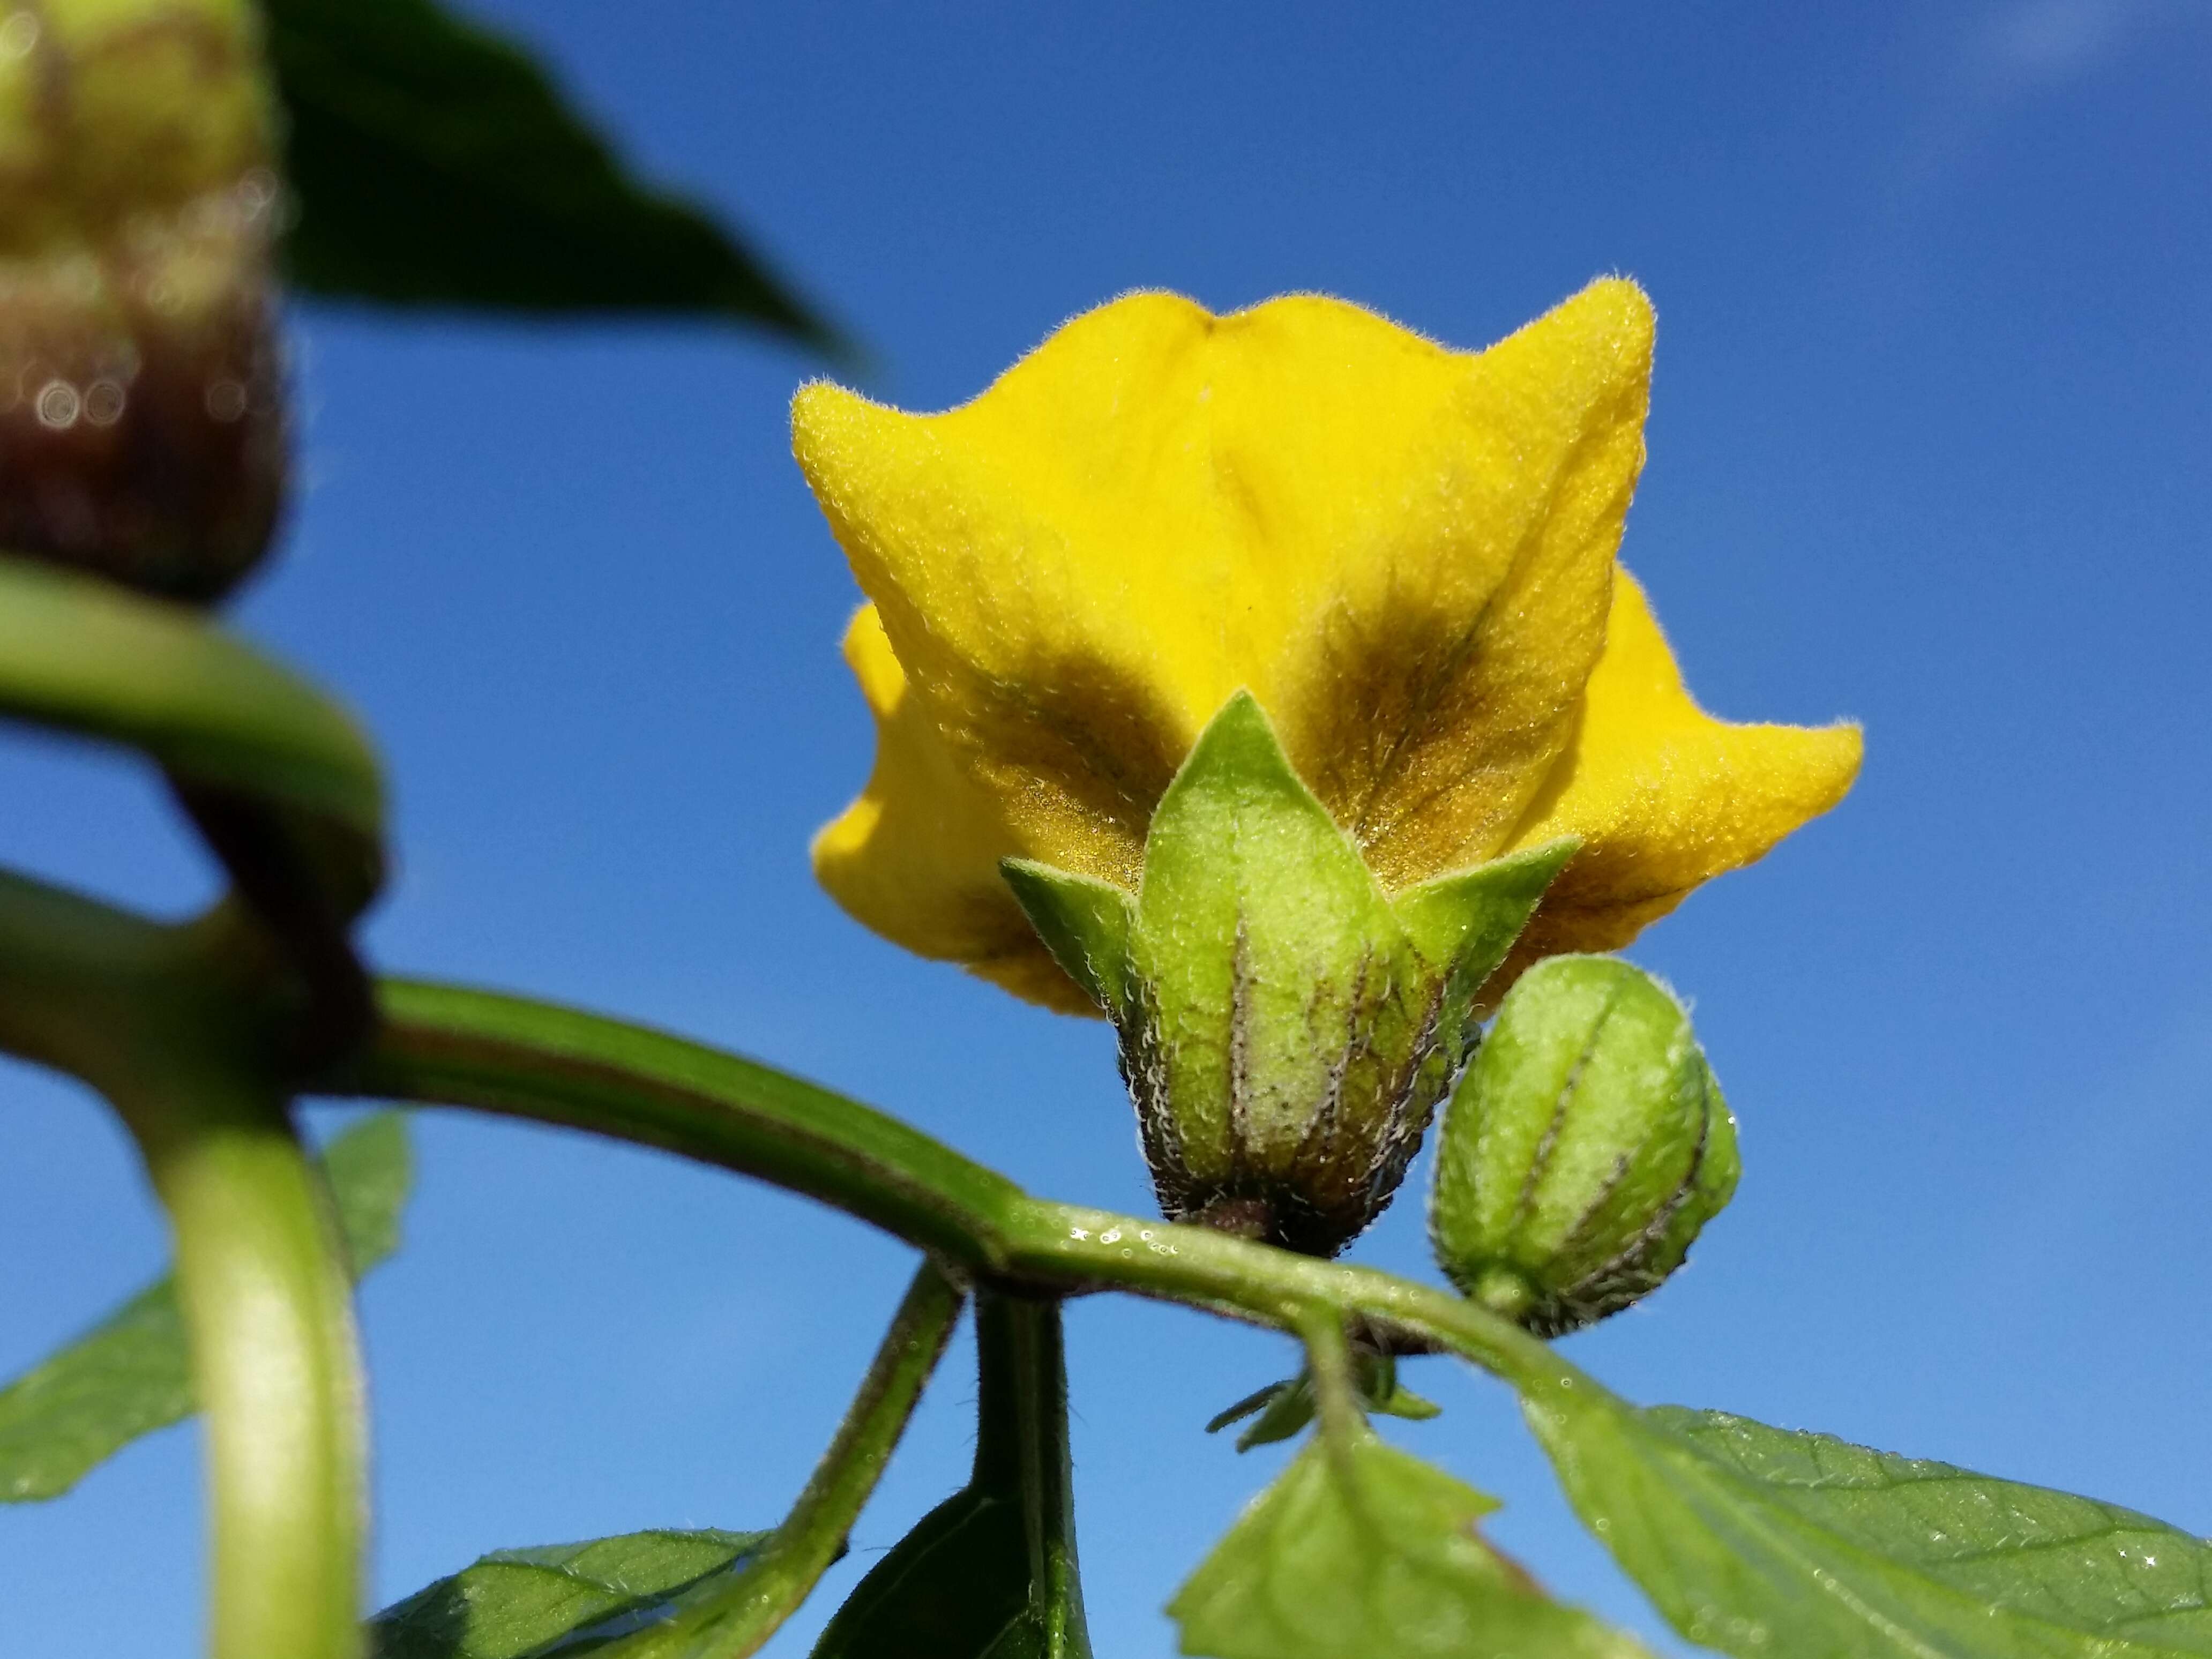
x: 1285, y: 1408
x: 1281, y: 1036
x: 1084, y: 923
x: 1468, y: 920
x: 1287, y: 1028
x: 1359, y: 1549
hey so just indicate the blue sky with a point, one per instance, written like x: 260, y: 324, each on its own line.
x: 1928, y: 448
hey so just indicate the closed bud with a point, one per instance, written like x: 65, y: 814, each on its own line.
x: 142, y: 428
x: 1287, y: 1028
x: 1583, y: 1149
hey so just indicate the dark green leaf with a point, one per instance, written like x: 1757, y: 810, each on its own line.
x: 990, y: 1573
x: 557, y: 1599
x: 956, y: 1587
x: 1763, y: 1541
x: 1360, y: 1550
x: 131, y: 1374
x: 434, y: 163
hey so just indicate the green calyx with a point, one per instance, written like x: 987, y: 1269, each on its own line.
x: 1584, y: 1149
x: 1287, y: 1028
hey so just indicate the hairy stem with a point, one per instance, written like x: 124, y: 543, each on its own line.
x: 444, y: 1045
x: 813, y: 1534
x: 731, y: 1618
x: 1021, y: 1448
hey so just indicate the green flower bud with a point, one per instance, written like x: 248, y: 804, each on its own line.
x: 1286, y: 1027
x: 1583, y: 1151
x: 141, y: 429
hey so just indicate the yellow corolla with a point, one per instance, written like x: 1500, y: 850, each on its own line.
x: 1406, y: 553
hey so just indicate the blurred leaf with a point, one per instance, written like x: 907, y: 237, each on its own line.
x: 557, y: 1599
x: 1359, y: 1549
x: 131, y: 1374
x: 1763, y: 1541
x: 371, y: 1172
x: 435, y: 163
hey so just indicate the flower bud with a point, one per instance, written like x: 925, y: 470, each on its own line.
x: 142, y: 431
x: 1583, y: 1151
x: 1286, y: 1027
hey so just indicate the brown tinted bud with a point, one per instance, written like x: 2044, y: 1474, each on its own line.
x: 141, y: 424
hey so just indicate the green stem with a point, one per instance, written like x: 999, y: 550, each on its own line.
x: 443, y: 1045
x: 813, y: 1534
x: 275, y: 1362
x: 1329, y: 1358
x: 173, y: 1024
x: 1022, y: 1450
x: 731, y: 1618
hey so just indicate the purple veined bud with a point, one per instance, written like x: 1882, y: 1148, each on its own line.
x: 142, y: 430
x: 1583, y: 1151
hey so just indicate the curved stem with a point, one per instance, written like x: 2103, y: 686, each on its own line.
x: 172, y: 1024
x: 813, y: 1534
x: 274, y: 1361
x: 445, y: 1045
x: 731, y: 1618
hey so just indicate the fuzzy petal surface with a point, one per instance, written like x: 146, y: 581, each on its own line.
x: 916, y: 857
x: 1664, y: 796
x: 1405, y: 552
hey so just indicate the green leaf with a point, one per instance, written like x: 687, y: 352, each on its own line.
x: 1359, y: 1550
x: 435, y: 163
x: 958, y: 1582
x: 371, y: 1172
x: 556, y: 1599
x: 131, y: 1374
x: 1763, y: 1541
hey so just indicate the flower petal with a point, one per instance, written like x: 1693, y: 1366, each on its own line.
x: 1663, y: 795
x: 1402, y: 551
x: 1434, y: 672
x: 916, y: 857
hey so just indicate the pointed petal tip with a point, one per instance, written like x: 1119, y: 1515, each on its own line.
x: 1611, y: 320
x: 830, y: 423
x: 1614, y: 305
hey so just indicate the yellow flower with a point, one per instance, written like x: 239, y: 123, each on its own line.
x: 1406, y: 553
